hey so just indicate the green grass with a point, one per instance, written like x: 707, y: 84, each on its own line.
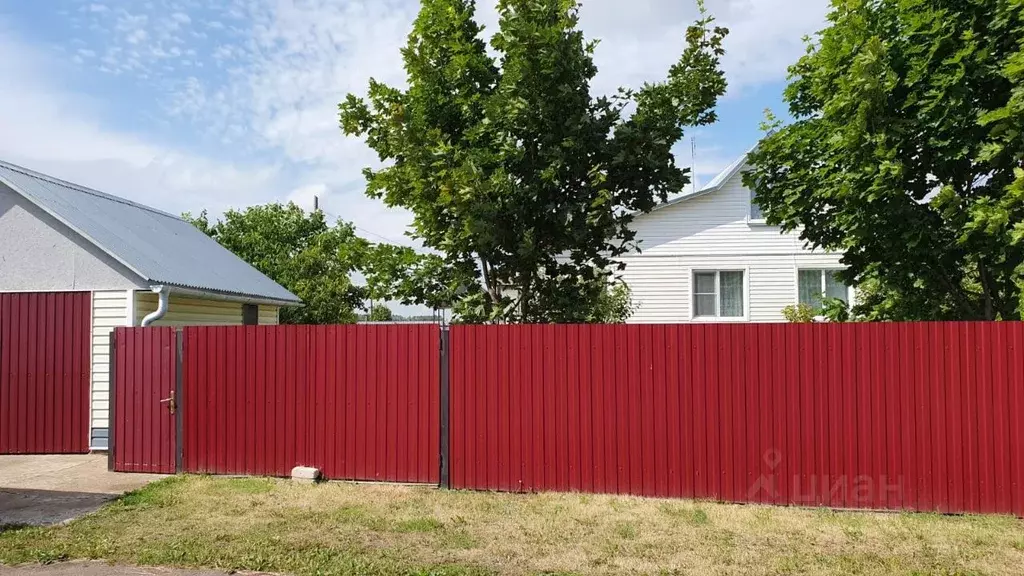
x: 419, y: 525
x: 694, y: 515
x: 626, y: 531
x: 245, y: 524
x: 129, y: 530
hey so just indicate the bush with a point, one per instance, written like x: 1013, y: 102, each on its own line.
x: 615, y: 305
x: 800, y: 313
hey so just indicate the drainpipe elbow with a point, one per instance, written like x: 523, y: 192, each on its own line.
x: 163, y: 302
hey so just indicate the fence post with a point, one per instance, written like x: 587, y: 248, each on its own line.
x: 112, y: 392
x: 445, y: 481
x: 180, y: 400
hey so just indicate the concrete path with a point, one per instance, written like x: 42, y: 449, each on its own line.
x: 103, y: 569
x: 42, y: 490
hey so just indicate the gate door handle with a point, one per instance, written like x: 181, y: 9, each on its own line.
x: 171, y: 404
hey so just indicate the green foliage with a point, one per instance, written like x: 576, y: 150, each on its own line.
x: 836, y: 310
x: 522, y: 182
x: 398, y: 273
x: 614, y: 306
x: 799, y: 313
x: 380, y: 313
x: 302, y: 252
x: 906, y: 153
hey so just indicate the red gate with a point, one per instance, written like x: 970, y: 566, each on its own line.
x: 44, y: 373
x: 145, y: 396
x: 359, y: 402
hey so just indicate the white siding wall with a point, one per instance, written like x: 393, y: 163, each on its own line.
x: 191, y: 311
x: 711, y: 232
x: 661, y: 284
x: 109, y: 310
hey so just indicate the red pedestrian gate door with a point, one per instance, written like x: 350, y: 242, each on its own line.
x: 145, y: 400
x: 44, y: 373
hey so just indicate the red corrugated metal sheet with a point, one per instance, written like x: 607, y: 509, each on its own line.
x: 925, y: 416
x: 144, y: 431
x: 359, y: 402
x: 44, y: 372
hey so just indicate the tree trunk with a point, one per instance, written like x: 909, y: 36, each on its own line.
x: 986, y: 289
x: 524, y: 298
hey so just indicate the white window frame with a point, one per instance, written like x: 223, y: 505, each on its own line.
x: 822, y: 269
x: 718, y: 294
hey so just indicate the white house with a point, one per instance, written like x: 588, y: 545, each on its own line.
x: 709, y: 256
x: 125, y: 262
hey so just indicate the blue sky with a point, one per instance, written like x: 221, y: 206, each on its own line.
x: 187, y: 105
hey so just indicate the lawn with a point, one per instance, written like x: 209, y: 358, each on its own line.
x: 342, y: 528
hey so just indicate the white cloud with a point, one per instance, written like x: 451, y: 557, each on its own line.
x: 285, y: 70
x: 136, y: 36
x: 60, y: 133
x: 302, y: 57
x: 641, y: 39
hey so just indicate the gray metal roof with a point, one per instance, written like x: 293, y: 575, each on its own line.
x: 160, y: 247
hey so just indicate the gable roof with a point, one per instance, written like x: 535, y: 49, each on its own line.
x: 159, y: 247
x: 714, y: 186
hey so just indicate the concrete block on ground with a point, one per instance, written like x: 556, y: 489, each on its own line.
x: 305, y: 474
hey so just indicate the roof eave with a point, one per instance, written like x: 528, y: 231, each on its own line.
x: 227, y: 296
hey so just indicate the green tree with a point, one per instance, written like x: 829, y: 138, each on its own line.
x: 399, y: 273
x: 523, y: 182
x: 302, y: 252
x: 380, y: 313
x: 906, y: 153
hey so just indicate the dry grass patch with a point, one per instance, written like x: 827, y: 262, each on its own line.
x: 341, y: 528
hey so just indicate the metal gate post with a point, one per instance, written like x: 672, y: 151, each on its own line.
x: 445, y: 481
x: 179, y: 348
x: 112, y: 398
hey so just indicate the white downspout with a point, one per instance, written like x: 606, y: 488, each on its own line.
x: 164, y: 294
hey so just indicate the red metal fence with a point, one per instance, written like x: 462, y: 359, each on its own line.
x: 44, y: 372
x: 144, y: 384
x: 358, y: 402
x: 901, y: 416
x: 922, y: 416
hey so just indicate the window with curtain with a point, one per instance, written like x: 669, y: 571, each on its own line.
x: 816, y: 285
x: 718, y: 294
x: 755, y: 210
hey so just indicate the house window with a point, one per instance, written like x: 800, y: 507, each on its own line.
x: 718, y: 294
x: 815, y: 285
x: 250, y: 314
x: 755, y: 210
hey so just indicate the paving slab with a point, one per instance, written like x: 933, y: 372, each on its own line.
x: 42, y: 490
